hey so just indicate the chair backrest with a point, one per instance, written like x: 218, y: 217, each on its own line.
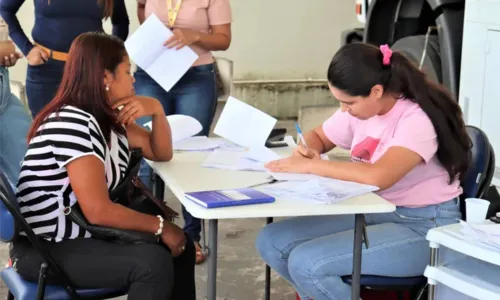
x: 12, y: 222
x: 479, y: 175
x: 225, y: 68
x: 9, y: 228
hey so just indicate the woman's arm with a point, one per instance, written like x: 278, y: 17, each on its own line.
x: 141, y: 14
x: 219, y: 36
x: 120, y: 20
x: 384, y: 173
x: 8, y: 10
x: 218, y: 39
x: 317, y: 140
x: 88, y: 171
x: 156, y: 144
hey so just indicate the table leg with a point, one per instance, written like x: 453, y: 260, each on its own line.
x: 356, y: 259
x: 433, y: 262
x: 204, y: 246
x: 267, y: 289
x: 212, y: 259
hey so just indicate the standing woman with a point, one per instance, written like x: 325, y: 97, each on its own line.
x: 57, y: 24
x: 205, y: 26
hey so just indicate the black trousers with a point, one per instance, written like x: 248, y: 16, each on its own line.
x: 148, y: 269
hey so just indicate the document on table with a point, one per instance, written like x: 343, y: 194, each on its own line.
x: 262, y: 154
x: 244, y: 124
x: 232, y: 160
x: 486, y: 235
x: 145, y: 47
x: 181, y: 126
x: 195, y: 143
x: 327, y: 191
x: 228, y: 145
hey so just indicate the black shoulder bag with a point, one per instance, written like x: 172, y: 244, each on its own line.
x: 132, y: 193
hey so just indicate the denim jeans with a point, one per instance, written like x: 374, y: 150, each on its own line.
x: 14, y: 125
x: 312, y: 253
x: 42, y: 83
x: 194, y: 95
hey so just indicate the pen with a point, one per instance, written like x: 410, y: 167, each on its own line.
x: 301, y: 136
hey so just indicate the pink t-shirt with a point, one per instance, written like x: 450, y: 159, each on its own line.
x: 405, y: 125
x: 196, y: 15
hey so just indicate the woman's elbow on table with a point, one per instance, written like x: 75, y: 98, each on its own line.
x: 166, y: 156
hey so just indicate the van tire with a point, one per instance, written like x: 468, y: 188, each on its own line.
x: 413, y: 48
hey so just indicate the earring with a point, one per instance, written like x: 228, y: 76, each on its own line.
x: 107, y: 87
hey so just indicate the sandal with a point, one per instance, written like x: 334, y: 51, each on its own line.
x: 200, y: 256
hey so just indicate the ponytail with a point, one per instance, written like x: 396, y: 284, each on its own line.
x: 400, y: 77
x: 454, y: 144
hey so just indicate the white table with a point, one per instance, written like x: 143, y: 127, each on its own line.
x: 450, y: 237
x: 185, y: 174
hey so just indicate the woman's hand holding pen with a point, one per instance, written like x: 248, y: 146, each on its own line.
x: 306, y: 152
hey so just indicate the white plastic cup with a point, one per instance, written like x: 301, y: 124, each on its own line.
x: 476, y: 210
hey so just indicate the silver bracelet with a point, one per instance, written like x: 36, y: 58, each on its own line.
x: 160, y: 230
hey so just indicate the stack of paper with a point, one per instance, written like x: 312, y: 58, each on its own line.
x: 326, y: 191
x: 222, y: 143
x: 232, y: 160
x: 487, y: 234
x: 195, y: 143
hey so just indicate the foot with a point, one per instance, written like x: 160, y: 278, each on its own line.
x: 200, y: 256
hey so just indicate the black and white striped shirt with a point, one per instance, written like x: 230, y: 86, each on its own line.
x: 44, y: 190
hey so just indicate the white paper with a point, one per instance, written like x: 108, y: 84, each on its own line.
x: 262, y: 154
x: 243, y: 124
x: 295, y: 176
x: 195, y: 143
x: 182, y: 126
x: 486, y: 235
x: 232, y: 160
x: 145, y: 47
x: 323, y: 191
x: 228, y: 145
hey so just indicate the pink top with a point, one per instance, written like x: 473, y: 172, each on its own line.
x: 405, y: 125
x: 196, y: 15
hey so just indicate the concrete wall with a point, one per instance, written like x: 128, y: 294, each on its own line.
x: 275, y: 40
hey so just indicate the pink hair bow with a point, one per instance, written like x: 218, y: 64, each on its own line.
x: 386, y: 53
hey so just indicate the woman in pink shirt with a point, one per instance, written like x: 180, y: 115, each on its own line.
x: 407, y: 137
x: 205, y: 26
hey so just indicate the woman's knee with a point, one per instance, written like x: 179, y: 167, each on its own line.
x: 300, y: 266
x: 154, y: 263
x: 265, y: 242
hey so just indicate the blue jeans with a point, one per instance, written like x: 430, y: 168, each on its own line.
x: 194, y: 95
x: 312, y: 253
x: 42, y: 83
x: 14, y: 125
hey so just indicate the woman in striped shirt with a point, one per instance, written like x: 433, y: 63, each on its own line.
x: 78, y: 151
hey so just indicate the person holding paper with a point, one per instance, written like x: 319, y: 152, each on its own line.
x: 58, y: 23
x: 407, y: 136
x: 79, y: 150
x: 204, y: 26
x: 14, y: 118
